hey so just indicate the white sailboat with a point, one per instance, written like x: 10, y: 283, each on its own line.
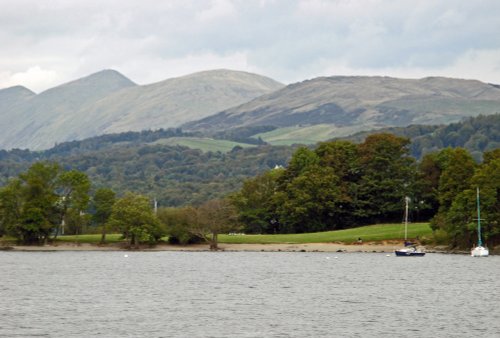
x: 479, y: 250
x: 410, y: 249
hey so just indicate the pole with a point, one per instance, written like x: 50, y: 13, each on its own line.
x: 406, y: 217
x: 479, y: 242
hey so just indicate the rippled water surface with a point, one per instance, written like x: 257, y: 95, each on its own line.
x: 230, y: 294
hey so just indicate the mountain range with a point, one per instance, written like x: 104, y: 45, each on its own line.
x: 108, y: 102
x: 342, y: 105
x: 221, y: 100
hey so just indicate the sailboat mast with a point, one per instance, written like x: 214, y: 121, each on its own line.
x: 406, y: 217
x: 479, y: 242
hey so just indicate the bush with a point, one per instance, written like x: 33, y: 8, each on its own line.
x: 176, y: 223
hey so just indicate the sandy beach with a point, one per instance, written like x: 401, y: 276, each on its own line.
x: 381, y: 247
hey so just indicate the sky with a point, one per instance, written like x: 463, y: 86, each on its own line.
x: 44, y: 43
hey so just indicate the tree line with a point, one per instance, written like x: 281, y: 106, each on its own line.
x: 342, y: 184
x: 476, y: 134
x: 47, y: 201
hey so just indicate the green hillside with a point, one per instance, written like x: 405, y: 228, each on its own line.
x: 379, y: 232
x: 202, y: 143
x: 306, y: 135
x: 477, y: 135
x: 359, y: 102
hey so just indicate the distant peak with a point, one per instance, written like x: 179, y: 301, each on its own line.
x: 107, y: 78
x: 17, y: 89
x: 223, y: 72
x: 109, y: 74
x: 16, y: 93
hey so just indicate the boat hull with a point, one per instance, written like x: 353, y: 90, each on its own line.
x: 407, y: 253
x: 480, y: 251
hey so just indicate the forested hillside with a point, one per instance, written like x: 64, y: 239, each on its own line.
x: 178, y: 175
x: 174, y: 175
x: 477, y: 135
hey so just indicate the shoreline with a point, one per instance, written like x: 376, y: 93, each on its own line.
x: 373, y: 247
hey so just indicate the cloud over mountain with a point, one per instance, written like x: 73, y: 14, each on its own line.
x: 45, y: 43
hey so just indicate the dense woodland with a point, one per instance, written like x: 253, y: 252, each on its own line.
x: 477, y: 135
x: 177, y: 176
x: 174, y: 175
x: 341, y: 184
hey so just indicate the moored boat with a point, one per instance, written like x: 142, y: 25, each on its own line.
x: 479, y: 250
x: 410, y: 249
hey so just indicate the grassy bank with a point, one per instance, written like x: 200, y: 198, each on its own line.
x: 379, y: 232
x: 91, y: 238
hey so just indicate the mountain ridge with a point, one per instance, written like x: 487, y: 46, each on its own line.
x: 373, y: 101
x: 220, y: 100
x: 107, y: 102
x: 28, y: 121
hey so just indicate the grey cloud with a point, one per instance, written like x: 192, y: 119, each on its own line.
x: 287, y: 39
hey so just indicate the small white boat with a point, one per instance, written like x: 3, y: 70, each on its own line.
x: 479, y: 250
x: 409, y: 251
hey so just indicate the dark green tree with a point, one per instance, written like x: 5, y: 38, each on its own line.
x: 256, y: 202
x: 425, y: 196
x: 302, y: 159
x: 487, y: 178
x: 177, y: 224
x: 33, y: 206
x: 344, y: 158
x: 388, y: 174
x: 73, y: 187
x: 11, y: 208
x: 310, y: 202
x: 39, y: 215
x: 103, y: 201
x: 457, y: 170
x: 133, y: 216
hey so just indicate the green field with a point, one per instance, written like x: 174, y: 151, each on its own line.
x: 204, y: 144
x: 306, y: 135
x: 378, y: 232
x: 93, y: 238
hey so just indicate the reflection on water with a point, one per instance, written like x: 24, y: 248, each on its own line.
x: 204, y: 294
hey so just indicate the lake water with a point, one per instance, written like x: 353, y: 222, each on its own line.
x: 241, y: 294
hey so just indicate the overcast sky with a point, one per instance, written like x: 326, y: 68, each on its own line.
x: 44, y: 43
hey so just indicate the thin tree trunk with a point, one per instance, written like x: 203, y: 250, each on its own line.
x: 214, y: 243
x: 103, y: 235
